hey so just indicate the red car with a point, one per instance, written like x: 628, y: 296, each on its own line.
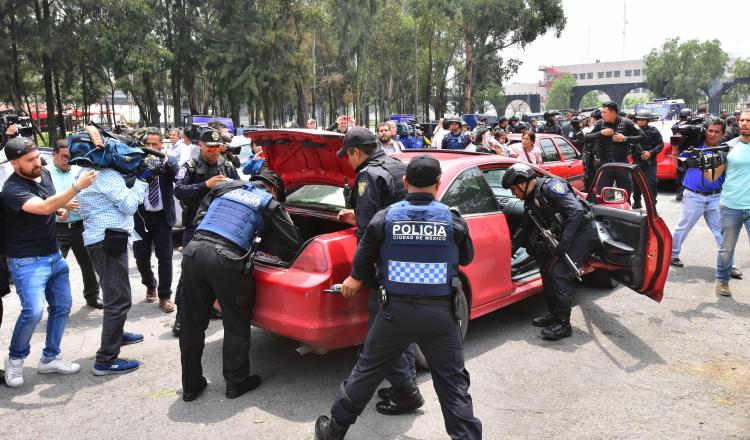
x: 666, y: 161
x: 559, y: 157
x: 293, y: 298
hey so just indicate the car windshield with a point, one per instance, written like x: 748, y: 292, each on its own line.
x: 494, y: 179
x: 322, y: 197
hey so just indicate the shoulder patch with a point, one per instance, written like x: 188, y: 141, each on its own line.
x: 558, y: 188
x: 361, y: 187
x: 181, y: 173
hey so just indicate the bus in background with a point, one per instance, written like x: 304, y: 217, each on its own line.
x: 665, y: 109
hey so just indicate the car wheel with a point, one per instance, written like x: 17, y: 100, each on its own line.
x: 600, y: 279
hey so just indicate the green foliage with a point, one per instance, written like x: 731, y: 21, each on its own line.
x: 683, y: 70
x: 738, y: 94
x: 559, y: 93
x: 631, y: 101
x: 591, y: 100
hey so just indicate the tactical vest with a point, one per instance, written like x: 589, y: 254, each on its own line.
x: 455, y: 142
x: 191, y: 206
x: 418, y: 256
x: 387, y: 166
x: 237, y: 215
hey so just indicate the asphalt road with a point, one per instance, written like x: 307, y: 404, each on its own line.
x: 633, y: 369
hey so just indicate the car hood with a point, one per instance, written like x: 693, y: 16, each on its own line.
x: 302, y: 157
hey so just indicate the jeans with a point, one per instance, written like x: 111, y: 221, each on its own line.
x: 38, y: 278
x: 695, y: 206
x: 731, y: 224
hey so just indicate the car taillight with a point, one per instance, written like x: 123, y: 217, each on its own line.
x: 312, y: 259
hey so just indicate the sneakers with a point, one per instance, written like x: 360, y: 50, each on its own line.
x: 130, y: 338
x: 13, y: 372
x: 117, y: 366
x: 676, y: 262
x: 57, y: 365
x: 720, y: 288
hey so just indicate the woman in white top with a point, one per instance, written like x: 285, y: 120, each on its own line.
x: 526, y: 150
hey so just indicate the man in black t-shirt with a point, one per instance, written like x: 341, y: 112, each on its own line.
x: 34, y: 259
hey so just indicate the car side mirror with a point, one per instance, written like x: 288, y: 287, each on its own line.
x: 614, y: 195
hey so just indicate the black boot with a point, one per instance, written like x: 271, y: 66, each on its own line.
x: 329, y: 429
x: 558, y: 330
x: 402, y: 401
x: 385, y: 393
x: 544, y: 321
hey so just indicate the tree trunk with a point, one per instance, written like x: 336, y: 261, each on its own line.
x: 468, y: 71
x: 302, y: 114
x: 60, y: 117
x: 42, y: 16
x: 151, y: 101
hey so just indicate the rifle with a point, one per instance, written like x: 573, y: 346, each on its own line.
x: 552, y: 242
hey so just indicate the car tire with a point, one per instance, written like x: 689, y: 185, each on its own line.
x: 600, y: 279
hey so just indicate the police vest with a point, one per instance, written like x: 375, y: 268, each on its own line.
x: 387, y: 166
x: 455, y: 142
x: 418, y: 256
x: 237, y: 215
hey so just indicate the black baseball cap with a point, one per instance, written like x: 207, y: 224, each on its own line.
x: 423, y: 171
x: 356, y: 137
x: 19, y: 146
x: 211, y: 138
x: 274, y: 180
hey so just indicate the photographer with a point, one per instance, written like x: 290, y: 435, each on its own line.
x: 735, y: 203
x: 647, y: 160
x: 107, y: 208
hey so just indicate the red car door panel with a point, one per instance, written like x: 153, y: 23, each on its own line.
x: 489, y: 272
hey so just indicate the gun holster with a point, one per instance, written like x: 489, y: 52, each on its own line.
x: 457, y: 292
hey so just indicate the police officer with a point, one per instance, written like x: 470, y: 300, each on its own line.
x: 550, y: 125
x: 417, y: 245
x: 545, y: 197
x: 573, y: 131
x: 216, y: 265
x: 194, y: 180
x: 513, y: 122
x: 590, y: 154
x: 379, y: 183
x: 647, y: 160
x: 684, y: 115
x: 455, y: 139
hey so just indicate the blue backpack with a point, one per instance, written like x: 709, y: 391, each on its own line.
x: 116, y: 155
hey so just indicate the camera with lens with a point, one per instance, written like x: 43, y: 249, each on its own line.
x: 25, y: 128
x: 689, y: 134
x: 703, y: 158
x: 195, y: 130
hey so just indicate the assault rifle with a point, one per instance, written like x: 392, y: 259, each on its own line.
x: 551, y: 242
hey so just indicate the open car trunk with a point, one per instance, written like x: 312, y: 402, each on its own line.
x: 311, y: 225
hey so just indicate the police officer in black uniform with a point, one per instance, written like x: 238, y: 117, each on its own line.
x: 616, y: 136
x: 647, y: 159
x: 590, y: 155
x: 455, y: 139
x: 379, y: 183
x: 194, y: 180
x: 417, y: 245
x: 217, y: 265
x: 550, y: 125
x: 546, y: 197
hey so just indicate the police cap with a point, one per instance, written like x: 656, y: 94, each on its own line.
x: 517, y: 173
x: 423, y: 171
x: 274, y: 180
x: 18, y: 147
x: 643, y: 114
x: 210, y: 137
x: 356, y: 137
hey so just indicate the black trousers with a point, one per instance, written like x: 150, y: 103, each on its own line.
x: 404, y: 371
x: 438, y: 334
x: 187, y: 237
x: 559, y: 285
x: 70, y: 237
x: 621, y: 178
x: 208, y: 276
x: 116, y: 296
x: 155, y: 233
x: 649, y: 172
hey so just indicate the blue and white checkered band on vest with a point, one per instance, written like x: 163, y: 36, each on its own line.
x: 237, y: 214
x: 418, y: 256
x: 456, y: 142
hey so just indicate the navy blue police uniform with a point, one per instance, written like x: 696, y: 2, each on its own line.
x: 576, y: 236
x: 654, y: 145
x: 216, y: 265
x: 455, y: 141
x: 417, y: 245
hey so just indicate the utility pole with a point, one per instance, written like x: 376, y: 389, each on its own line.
x: 315, y: 116
x: 416, y: 70
x: 624, y: 24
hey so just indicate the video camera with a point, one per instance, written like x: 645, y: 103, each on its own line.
x: 194, y: 131
x: 25, y: 128
x: 689, y: 134
x: 705, y: 159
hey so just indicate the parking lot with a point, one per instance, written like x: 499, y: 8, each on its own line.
x: 634, y: 368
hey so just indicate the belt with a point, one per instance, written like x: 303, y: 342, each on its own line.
x: 433, y: 300
x: 709, y: 193
x: 71, y: 225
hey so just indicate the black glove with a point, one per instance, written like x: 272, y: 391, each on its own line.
x: 560, y: 250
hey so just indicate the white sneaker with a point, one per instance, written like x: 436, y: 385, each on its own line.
x: 57, y: 365
x: 13, y: 372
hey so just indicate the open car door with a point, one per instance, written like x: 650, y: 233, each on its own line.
x: 635, y: 246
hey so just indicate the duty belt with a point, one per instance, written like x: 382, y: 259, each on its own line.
x: 431, y: 300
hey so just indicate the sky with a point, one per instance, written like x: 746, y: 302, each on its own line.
x: 594, y: 31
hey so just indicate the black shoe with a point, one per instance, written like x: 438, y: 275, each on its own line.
x: 735, y: 273
x: 176, y: 328
x: 235, y: 391
x: 215, y: 314
x: 2, y: 377
x: 385, y: 393
x: 557, y: 331
x: 637, y: 206
x: 192, y: 395
x: 401, y: 402
x: 95, y: 303
x: 676, y: 262
x: 678, y: 198
x: 329, y: 429
x: 544, y: 321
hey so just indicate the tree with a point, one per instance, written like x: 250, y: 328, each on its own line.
x: 683, y: 70
x: 741, y: 92
x: 591, y: 100
x: 559, y: 93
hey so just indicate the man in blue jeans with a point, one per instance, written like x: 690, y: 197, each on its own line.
x: 735, y: 203
x: 34, y: 258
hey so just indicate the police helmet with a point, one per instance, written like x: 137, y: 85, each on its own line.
x: 596, y: 114
x: 521, y: 126
x: 643, y: 114
x: 273, y: 179
x: 549, y: 114
x: 513, y: 118
x: 452, y: 119
x: 686, y: 113
x: 464, y: 124
x: 518, y: 173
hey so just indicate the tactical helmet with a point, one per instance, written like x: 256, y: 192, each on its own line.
x: 596, y: 114
x: 686, y: 113
x: 550, y: 113
x: 518, y: 173
x: 274, y: 180
x: 464, y: 123
x: 452, y: 119
x: 643, y: 114
x: 513, y: 118
x: 521, y: 126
